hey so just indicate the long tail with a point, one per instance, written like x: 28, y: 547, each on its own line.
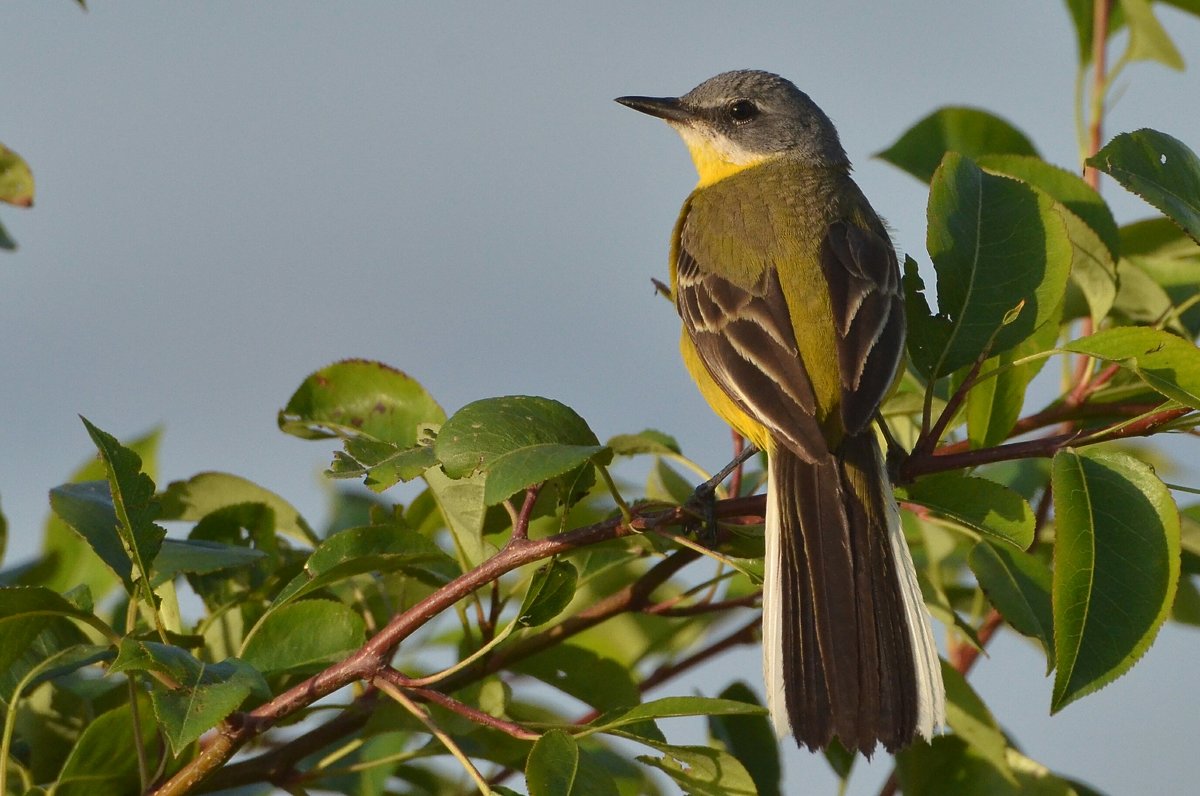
x: 847, y: 647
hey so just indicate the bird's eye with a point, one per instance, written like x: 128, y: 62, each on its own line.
x: 742, y: 110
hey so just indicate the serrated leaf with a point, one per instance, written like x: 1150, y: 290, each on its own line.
x: 550, y: 592
x: 648, y: 441
x: 1018, y: 585
x: 967, y: 131
x: 197, y: 497
x: 87, y: 509
x: 285, y: 640
x: 702, y: 770
x: 358, y: 397
x: 16, y: 179
x: 132, y: 493
x: 1165, y: 362
x: 518, y: 441
x: 370, y: 548
x: 1116, y: 566
x: 979, y: 504
x: 750, y: 739
x: 381, y: 465
x: 1160, y: 169
x: 996, y: 244
x: 205, y: 693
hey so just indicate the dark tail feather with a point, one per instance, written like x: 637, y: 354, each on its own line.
x: 847, y: 648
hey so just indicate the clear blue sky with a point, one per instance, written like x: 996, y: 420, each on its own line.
x: 231, y: 195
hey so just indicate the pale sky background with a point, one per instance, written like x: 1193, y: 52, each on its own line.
x: 232, y: 195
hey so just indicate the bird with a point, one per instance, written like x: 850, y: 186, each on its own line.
x: 789, y: 292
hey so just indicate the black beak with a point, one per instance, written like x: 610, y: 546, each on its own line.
x: 667, y: 108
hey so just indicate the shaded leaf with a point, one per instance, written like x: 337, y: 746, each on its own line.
x: 1116, y: 565
x: 973, y: 722
x: 358, y: 397
x: 1002, y: 257
x: 598, y: 681
x: 1018, y: 585
x: 1158, y: 168
x: 949, y: 765
x: 994, y: 404
x: 461, y: 503
x: 670, y: 707
x: 557, y: 766
x: 552, y: 589
x: 197, y: 497
x: 750, y: 739
x: 371, y: 548
x: 101, y: 760
x: 304, y: 635
x: 381, y: 465
x: 979, y: 504
x: 193, y: 556
x: 967, y: 131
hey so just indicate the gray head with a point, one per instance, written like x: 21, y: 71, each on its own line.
x: 747, y: 116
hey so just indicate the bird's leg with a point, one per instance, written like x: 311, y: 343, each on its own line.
x: 703, y: 502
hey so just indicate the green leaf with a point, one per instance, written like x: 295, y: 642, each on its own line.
x: 1116, y: 566
x: 1018, y: 585
x: 371, y: 548
x: 357, y: 397
x: 1000, y: 249
x: 973, y: 722
x: 518, y: 441
x: 88, y: 510
x: 1083, y: 16
x: 1165, y: 362
x: 462, y: 506
x: 197, y: 497
x: 553, y: 765
x: 133, y: 501
x: 303, y: 636
x: 664, y: 483
x: 648, y: 441
x: 1157, y: 237
x: 1063, y: 186
x: 558, y: 767
x: 702, y: 770
x: 1177, y: 280
x: 994, y: 404
x: 1140, y: 299
x: 6, y: 241
x: 949, y: 765
x: 967, y: 131
x: 550, y: 592
x: 750, y: 739
x: 600, y: 682
x: 205, y: 693
x: 671, y: 707
x: 102, y: 760
x: 1148, y: 41
x: 193, y: 556
x: 381, y: 465
x: 1158, y: 168
x: 977, y: 503
x: 16, y: 179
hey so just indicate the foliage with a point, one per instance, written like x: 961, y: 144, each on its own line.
x: 499, y: 630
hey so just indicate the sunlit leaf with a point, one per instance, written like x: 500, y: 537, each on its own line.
x: 16, y: 179
x: 1018, y: 584
x: 1160, y: 169
x: 977, y: 503
x: 304, y: 635
x: 1164, y: 361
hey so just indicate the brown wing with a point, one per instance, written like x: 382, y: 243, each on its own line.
x: 746, y: 340
x: 868, y: 308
